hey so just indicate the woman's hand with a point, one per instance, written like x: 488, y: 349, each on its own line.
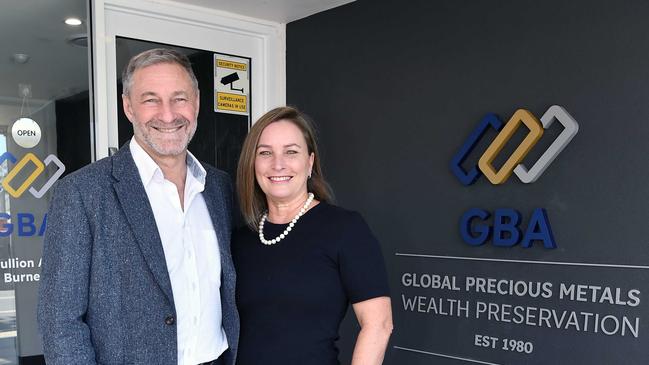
x: 375, y: 318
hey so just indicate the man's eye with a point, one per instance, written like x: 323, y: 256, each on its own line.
x: 179, y: 100
x: 150, y: 101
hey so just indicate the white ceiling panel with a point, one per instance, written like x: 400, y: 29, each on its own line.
x: 281, y: 11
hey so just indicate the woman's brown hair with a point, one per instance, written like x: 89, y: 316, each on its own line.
x: 252, y: 200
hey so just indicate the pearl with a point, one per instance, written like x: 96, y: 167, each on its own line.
x: 288, y: 229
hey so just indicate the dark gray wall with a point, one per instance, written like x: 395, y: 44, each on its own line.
x: 397, y: 86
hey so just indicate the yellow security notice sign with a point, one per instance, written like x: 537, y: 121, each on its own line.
x: 231, y: 65
x: 231, y: 84
x: 231, y: 102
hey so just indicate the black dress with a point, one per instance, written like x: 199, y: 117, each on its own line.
x: 293, y: 295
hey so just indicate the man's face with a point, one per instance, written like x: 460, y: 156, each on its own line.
x: 163, y: 107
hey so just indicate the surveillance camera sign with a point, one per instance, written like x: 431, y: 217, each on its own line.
x: 231, y: 84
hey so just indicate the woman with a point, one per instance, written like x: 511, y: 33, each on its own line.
x: 301, y: 261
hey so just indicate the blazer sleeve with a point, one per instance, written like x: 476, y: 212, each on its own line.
x: 63, y: 295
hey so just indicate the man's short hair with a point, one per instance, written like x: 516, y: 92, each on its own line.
x: 153, y: 57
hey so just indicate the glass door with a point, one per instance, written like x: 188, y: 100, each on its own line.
x: 45, y: 133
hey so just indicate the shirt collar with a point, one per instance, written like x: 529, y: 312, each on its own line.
x: 196, y: 169
x: 149, y: 170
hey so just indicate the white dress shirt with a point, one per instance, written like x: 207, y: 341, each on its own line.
x: 192, y: 255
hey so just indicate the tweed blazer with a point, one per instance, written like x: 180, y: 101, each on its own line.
x: 105, y: 295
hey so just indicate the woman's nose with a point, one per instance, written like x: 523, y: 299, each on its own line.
x: 278, y: 162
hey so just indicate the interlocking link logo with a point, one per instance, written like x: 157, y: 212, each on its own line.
x: 513, y: 164
x: 39, y: 167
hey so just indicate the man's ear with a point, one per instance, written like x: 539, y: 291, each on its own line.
x: 198, y: 103
x: 128, y: 109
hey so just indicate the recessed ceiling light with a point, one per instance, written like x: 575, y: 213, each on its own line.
x: 73, y: 21
x: 20, y: 58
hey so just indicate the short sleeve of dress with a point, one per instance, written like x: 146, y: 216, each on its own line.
x: 362, y: 268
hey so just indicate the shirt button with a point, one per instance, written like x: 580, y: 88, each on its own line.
x: 170, y: 320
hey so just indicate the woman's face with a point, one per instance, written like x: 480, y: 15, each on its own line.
x: 283, y: 162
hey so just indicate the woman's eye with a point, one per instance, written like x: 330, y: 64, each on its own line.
x: 291, y: 152
x: 264, y: 153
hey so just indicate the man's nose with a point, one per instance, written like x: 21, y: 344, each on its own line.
x: 166, y: 112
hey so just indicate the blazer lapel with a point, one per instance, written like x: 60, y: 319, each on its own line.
x: 218, y: 210
x: 136, y: 206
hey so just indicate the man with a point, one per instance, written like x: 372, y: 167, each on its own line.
x: 136, y: 263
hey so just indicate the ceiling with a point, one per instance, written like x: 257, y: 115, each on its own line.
x: 281, y: 11
x: 36, y: 28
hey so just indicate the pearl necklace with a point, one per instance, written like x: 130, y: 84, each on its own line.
x: 290, y: 225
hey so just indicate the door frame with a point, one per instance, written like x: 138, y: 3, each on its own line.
x: 268, y: 71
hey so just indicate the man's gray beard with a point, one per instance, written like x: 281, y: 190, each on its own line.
x: 146, y: 138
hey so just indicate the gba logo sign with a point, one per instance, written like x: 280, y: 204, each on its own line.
x: 27, y: 133
x: 505, y: 229
x: 38, y: 169
x: 513, y: 163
